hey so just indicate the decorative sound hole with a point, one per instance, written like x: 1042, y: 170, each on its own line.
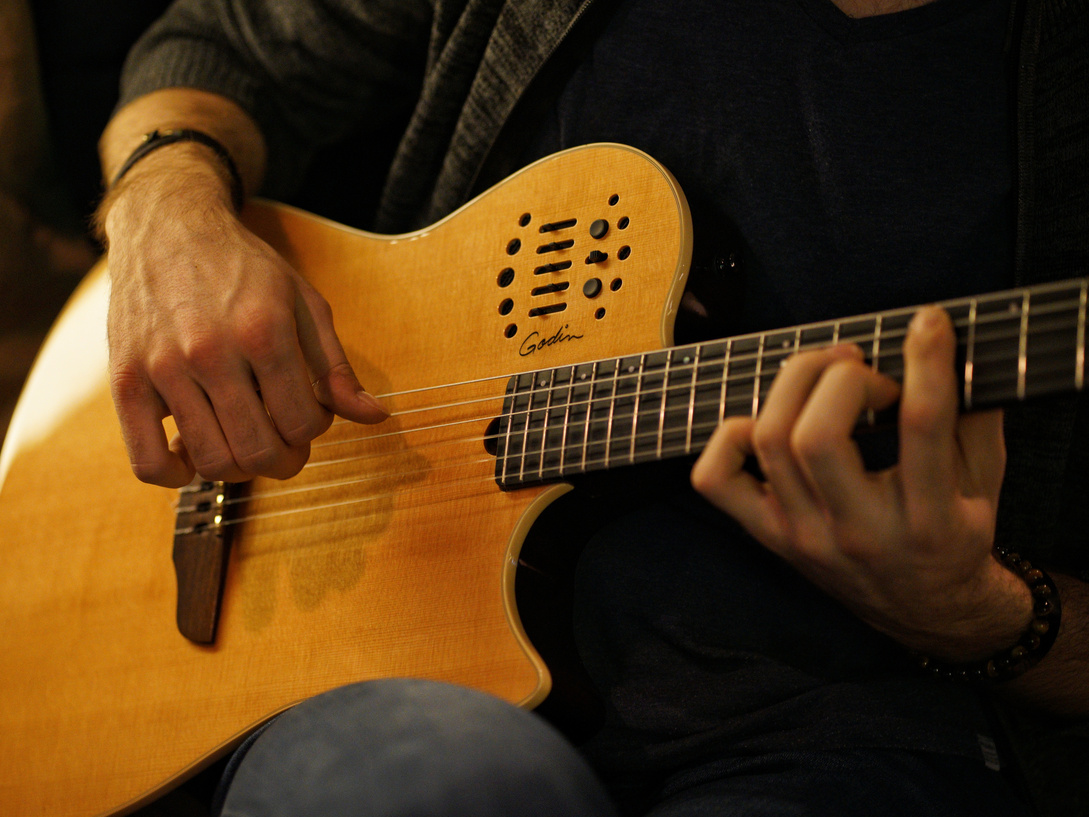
x: 614, y: 200
x: 506, y: 307
x: 600, y: 313
x: 506, y: 277
x: 511, y: 330
x: 623, y: 223
x: 525, y: 220
x: 623, y: 253
x: 491, y: 437
x: 616, y: 284
x: 514, y: 246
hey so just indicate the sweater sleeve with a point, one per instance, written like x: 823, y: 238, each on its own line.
x: 309, y: 72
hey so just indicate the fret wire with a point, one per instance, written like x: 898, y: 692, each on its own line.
x: 1079, y: 370
x: 544, y: 427
x: 1022, y: 348
x: 756, y: 379
x: 612, y: 410
x: 525, y: 432
x: 725, y: 379
x: 635, y: 410
x: 589, y: 409
x: 662, y: 407
x: 871, y: 415
x: 510, y: 422
x: 969, y: 358
x: 566, y: 419
x: 692, y: 400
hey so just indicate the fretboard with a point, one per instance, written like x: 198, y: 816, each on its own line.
x: 592, y: 416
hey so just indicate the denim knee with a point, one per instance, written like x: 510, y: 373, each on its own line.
x: 411, y: 747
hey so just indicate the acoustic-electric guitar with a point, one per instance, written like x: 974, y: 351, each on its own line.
x: 521, y: 341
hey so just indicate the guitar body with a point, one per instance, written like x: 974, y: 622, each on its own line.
x: 392, y: 553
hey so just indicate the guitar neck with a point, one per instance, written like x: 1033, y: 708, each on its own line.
x: 570, y: 420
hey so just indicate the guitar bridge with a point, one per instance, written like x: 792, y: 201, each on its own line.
x: 200, y: 558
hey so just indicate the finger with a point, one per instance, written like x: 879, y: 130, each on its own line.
x: 334, y: 381
x: 284, y: 383
x: 983, y: 451
x: 929, y: 450
x: 140, y: 411
x: 255, y: 444
x: 198, y: 425
x: 823, y: 438
x: 773, y: 435
x: 720, y: 476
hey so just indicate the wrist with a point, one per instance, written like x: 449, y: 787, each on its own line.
x: 180, y: 180
x: 1033, y: 612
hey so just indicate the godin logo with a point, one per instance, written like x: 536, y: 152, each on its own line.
x: 534, y: 342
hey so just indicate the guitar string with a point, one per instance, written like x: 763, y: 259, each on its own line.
x: 1047, y: 308
x: 605, y: 459
x: 545, y: 473
x: 673, y: 370
x: 684, y: 387
x: 628, y: 440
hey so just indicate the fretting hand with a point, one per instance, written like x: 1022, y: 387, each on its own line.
x: 908, y: 549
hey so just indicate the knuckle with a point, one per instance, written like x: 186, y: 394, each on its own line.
x: 319, y: 306
x: 771, y: 442
x: 217, y: 468
x: 261, y: 460
x: 201, y: 351
x: 128, y: 384
x: 263, y: 334
x: 310, y: 429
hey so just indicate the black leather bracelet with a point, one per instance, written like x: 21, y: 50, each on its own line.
x: 157, y: 139
x: 1033, y: 644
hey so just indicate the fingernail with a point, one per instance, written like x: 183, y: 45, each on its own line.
x: 928, y: 317
x: 372, y: 401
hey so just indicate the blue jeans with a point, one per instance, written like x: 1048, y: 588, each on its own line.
x: 405, y: 748
x: 409, y: 748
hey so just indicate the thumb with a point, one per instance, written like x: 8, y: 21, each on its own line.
x: 340, y: 391
x: 334, y: 381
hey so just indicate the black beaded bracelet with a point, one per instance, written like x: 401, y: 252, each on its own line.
x: 1033, y: 644
x: 157, y: 139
